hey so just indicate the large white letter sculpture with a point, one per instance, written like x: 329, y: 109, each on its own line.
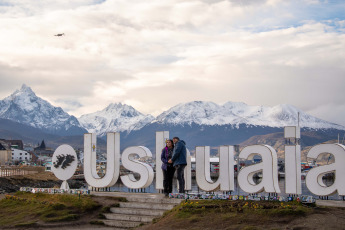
x: 292, y: 160
x: 113, y: 160
x: 145, y: 171
x: 268, y: 166
x: 314, y: 177
x: 161, y: 138
x: 226, y: 169
x: 188, y: 172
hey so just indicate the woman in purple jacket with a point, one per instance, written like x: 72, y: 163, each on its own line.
x: 168, y: 168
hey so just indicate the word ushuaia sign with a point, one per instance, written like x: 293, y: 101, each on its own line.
x: 225, y: 182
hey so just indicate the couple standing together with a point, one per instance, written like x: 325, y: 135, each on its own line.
x: 173, y: 158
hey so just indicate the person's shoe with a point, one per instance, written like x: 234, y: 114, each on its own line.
x: 166, y: 194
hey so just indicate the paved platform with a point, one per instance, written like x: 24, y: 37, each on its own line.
x: 331, y: 203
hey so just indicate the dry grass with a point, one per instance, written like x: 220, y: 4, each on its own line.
x: 24, y: 208
x: 225, y: 214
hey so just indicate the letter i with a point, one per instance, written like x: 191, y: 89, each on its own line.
x: 292, y: 135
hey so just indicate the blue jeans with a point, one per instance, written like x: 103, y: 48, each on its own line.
x: 180, y: 177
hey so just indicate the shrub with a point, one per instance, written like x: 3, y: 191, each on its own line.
x: 58, y: 206
x: 97, y: 222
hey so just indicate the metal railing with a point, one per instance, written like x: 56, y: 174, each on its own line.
x: 6, y: 172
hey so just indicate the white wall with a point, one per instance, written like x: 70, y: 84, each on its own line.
x: 20, y: 155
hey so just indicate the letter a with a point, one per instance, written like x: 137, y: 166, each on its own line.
x: 314, y: 177
x: 268, y: 166
x: 113, y: 160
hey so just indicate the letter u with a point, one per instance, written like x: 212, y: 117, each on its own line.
x: 113, y: 160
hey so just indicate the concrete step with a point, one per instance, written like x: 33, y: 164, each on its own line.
x: 146, y: 205
x: 154, y: 200
x: 121, y: 224
x: 137, y: 211
x: 126, y: 217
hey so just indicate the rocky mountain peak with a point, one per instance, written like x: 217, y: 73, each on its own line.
x: 25, y: 107
x: 21, y: 94
x: 116, y: 117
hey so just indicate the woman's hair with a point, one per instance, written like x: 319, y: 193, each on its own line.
x: 172, y: 143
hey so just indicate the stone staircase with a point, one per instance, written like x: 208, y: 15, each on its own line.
x: 140, y: 208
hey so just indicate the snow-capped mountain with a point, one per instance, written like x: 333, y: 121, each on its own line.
x: 124, y: 118
x: 115, y: 117
x: 197, y: 122
x: 236, y: 113
x: 23, y: 106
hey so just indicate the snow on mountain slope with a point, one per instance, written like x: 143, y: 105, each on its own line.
x: 236, y: 113
x: 25, y: 107
x: 115, y: 118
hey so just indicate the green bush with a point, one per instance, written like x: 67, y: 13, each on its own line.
x: 105, y: 209
x: 26, y: 225
x: 69, y: 217
x: 58, y: 206
x: 97, y: 222
x: 116, y: 205
x: 101, y: 216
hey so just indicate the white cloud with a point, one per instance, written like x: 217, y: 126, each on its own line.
x: 332, y: 111
x: 155, y: 54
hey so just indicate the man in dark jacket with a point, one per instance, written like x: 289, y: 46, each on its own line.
x: 179, y: 161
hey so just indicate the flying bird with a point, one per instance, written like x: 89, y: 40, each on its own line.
x: 59, y: 35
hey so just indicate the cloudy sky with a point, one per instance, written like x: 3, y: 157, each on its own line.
x: 154, y: 54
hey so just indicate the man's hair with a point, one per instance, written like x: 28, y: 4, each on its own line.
x: 176, y: 138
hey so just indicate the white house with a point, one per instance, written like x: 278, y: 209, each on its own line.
x: 20, y: 155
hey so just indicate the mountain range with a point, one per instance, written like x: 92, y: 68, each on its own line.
x: 25, y: 116
x: 238, y: 113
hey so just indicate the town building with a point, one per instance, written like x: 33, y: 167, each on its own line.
x: 5, y: 153
x: 43, y: 153
x: 19, y: 156
x: 16, y: 144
